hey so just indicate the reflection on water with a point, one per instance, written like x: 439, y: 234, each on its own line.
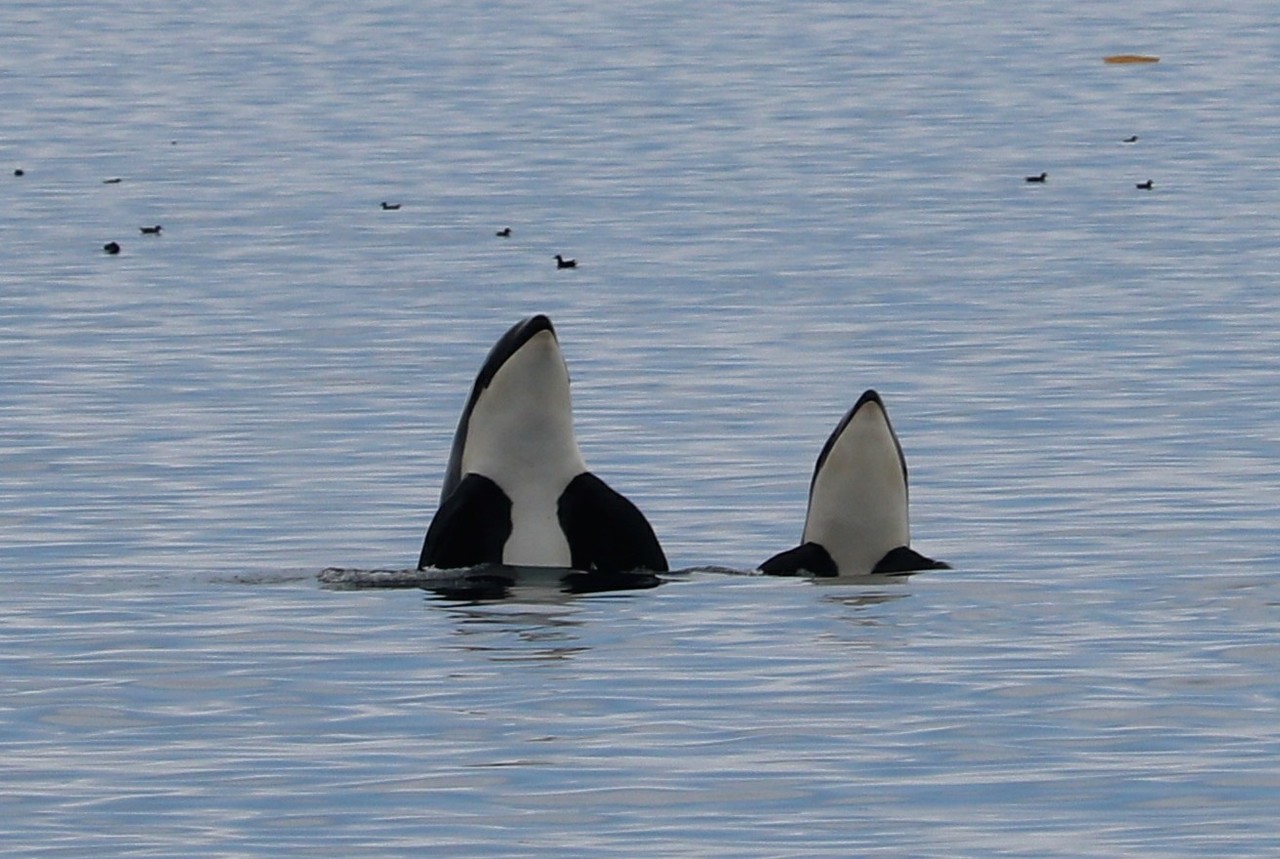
x: 519, y: 634
x: 860, y: 600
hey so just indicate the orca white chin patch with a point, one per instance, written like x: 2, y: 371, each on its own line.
x: 520, y: 436
x: 520, y: 431
x: 857, y: 521
x: 517, y: 491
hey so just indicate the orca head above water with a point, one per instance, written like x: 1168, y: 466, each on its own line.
x: 516, y: 490
x: 857, y: 521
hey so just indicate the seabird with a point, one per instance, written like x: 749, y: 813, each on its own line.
x: 389, y: 207
x: 111, y: 248
x: 150, y: 231
x: 1040, y: 178
x: 561, y: 262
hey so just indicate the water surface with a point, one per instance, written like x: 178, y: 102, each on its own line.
x: 773, y: 209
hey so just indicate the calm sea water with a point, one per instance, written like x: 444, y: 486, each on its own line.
x: 774, y: 206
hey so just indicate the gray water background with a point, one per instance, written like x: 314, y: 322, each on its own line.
x: 774, y: 206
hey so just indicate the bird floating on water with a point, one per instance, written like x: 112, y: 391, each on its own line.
x: 1132, y: 138
x: 389, y: 207
x: 1041, y: 178
x: 1145, y: 186
x: 112, y: 248
x: 19, y: 172
x: 503, y: 233
x: 114, y: 180
x: 561, y: 262
x: 151, y: 231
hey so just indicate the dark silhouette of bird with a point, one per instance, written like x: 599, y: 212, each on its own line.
x: 1145, y: 186
x: 151, y: 231
x: 1040, y: 178
x: 1132, y: 138
x: 19, y: 172
x: 561, y: 262
x: 389, y: 207
x: 111, y: 248
x: 114, y: 180
x: 503, y: 233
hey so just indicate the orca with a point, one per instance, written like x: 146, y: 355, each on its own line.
x: 516, y: 491
x: 857, y: 519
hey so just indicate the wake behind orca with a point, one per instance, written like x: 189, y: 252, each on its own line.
x: 857, y: 522
x: 488, y: 582
x: 516, y: 491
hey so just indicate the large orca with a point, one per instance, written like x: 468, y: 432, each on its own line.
x: 857, y: 519
x: 517, y: 491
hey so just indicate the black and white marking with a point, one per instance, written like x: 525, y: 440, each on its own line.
x: 517, y: 491
x: 857, y: 522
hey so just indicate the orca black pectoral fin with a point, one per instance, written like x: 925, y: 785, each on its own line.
x: 605, y: 531
x: 905, y: 559
x: 805, y: 558
x: 470, y: 527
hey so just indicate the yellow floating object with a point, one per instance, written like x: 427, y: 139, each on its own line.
x: 1130, y: 58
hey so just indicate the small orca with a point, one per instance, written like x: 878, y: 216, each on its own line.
x: 561, y: 262
x: 857, y: 519
x: 1041, y: 178
x: 517, y: 491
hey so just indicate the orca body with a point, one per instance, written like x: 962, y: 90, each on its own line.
x: 517, y: 491
x: 857, y: 521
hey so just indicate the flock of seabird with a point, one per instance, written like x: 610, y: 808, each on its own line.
x: 113, y: 248
x: 561, y: 262
x: 504, y: 233
x: 1043, y: 177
